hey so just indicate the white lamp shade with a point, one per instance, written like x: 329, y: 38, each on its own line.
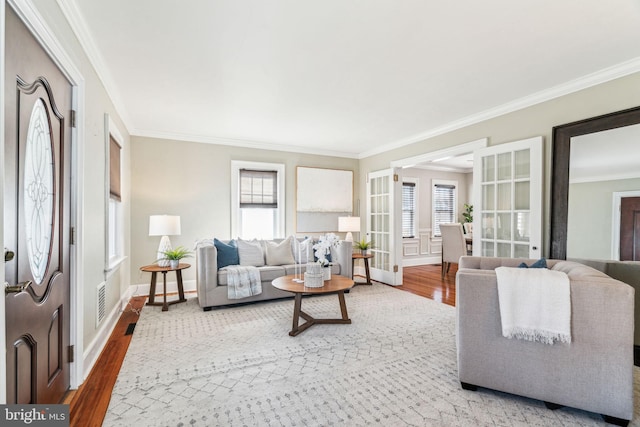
x: 348, y: 223
x: 164, y: 225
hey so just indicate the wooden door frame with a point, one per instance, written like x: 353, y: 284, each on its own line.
x: 615, y: 220
x: 38, y: 27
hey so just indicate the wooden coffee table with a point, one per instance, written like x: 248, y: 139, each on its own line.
x: 337, y: 284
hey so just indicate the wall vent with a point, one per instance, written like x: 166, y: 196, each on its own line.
x: 101, y: 306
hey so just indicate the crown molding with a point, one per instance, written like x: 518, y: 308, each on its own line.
x: 593, y: 79
x: 260, y: 145
x: 79, y: 28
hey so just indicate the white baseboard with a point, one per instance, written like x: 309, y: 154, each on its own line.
x: 412, y: 262
x: 94, y: 349
x: 172, y: 287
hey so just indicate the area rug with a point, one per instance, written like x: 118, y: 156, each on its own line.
x: 395, y: 365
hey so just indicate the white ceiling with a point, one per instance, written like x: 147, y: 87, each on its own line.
x: 344, y: 77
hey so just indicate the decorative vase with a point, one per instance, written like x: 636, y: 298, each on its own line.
x: 174, y: 263
x: 327, y: 272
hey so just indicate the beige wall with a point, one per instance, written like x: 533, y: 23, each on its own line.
x: 193, y: 180
x: 533, y: 121
x: 589, y: 231
x: 425, y: 187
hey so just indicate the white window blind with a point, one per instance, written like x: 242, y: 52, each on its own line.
x: 258, y: 189
x: 443, y: 206
x: 408, y: 209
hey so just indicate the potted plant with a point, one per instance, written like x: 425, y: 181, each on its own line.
x: 467, y: 215
x: 363, y: 245
x: 175, y: 255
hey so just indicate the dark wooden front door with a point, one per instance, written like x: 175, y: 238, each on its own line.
x: 36, y: 219
x: 630, y: 229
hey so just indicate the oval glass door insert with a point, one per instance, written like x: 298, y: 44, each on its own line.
x: 38, y: 191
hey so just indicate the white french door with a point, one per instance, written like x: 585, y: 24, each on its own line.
x: 384, y: 225
x: 507, y: 189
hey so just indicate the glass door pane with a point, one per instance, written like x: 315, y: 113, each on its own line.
x: 508, y: 182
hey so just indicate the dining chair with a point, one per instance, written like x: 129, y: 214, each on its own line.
x: 453, y: 245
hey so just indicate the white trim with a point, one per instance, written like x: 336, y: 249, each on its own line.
x: 615, y: 220
x: 412, y: 262
x: 259, y: 145
x: 114, y: 266
x: 172, y: 287
x: 93, y: 350
x: 29, y: 14
x: 110, y: 264
x: 602, y: 76
x: 456, y: 150
x: 70, y: 11
x: 607, y: 177
x: 236, y: 165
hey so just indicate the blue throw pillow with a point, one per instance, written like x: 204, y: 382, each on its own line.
x: 227, y: 253
x: 541, y: 263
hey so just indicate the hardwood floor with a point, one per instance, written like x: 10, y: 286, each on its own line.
x: 88, y: 405
x: 426, y: 281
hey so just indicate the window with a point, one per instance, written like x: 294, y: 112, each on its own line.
x: 257, y: 200
x: 444, y: 204
x: 408, y: 209
x: 114, y: 216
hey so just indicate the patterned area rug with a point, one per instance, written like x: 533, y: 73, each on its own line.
x: 395, y: 365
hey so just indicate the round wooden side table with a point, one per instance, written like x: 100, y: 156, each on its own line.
x: 154, y: 269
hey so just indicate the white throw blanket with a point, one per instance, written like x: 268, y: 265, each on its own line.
x: 535, y: 304
x: 242, y: 281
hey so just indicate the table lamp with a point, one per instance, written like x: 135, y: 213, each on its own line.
x: 348, y: 224
x: 165, y: 226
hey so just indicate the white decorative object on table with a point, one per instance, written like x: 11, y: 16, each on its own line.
x: 323, y: 249
x: 314, y: 277
x: 165, y: 226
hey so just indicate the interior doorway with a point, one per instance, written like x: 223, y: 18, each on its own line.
x: 620, y: 232
x: 630, y: 229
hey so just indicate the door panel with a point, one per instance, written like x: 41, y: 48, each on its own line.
x: 37, y: 226
x: 384, y: 225
x: 630, y: 229
x: 507, y: 181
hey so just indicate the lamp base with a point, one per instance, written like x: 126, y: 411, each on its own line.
x: 165, y: 245
x: 349, y: 237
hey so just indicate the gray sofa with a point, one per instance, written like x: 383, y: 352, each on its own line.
x: 211, y: 283
x: 629, y: 273
x: 594, y: 372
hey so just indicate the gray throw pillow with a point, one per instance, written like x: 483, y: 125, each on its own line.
x: 250, y: 253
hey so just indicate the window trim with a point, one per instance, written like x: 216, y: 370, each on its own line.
x: 416, y: 213
x: 236, y: 165
x: 112, y: 263
x: 434, y: 183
